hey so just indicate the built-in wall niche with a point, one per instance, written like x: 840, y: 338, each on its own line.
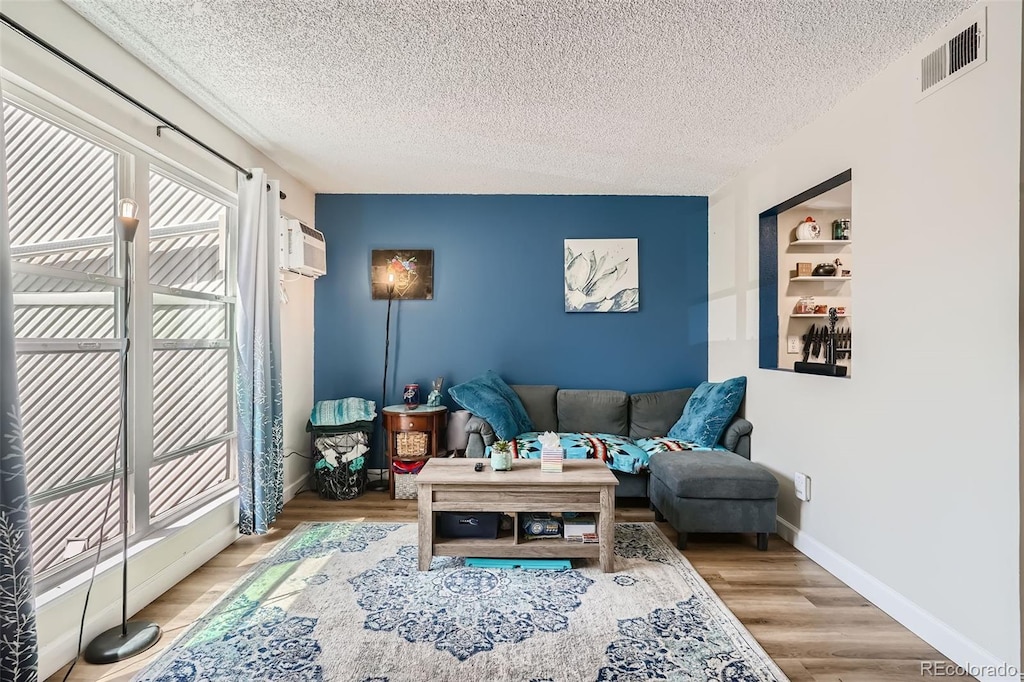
x: 807, y: 270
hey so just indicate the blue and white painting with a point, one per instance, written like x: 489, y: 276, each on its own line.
x: 601, y: 276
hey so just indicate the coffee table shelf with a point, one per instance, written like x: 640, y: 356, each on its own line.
x: 453, y: 485
x: 507, y: 548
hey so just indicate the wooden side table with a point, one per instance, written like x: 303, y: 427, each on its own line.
x: 398, y: 420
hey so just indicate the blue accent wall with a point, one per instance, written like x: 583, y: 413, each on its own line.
x: 498, y: 294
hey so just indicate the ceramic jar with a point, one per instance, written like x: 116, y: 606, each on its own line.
x: 411, y: 396
x: 501, y: 460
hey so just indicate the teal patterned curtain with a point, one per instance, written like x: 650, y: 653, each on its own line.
x: 258, y: 362
x: 18, y: 647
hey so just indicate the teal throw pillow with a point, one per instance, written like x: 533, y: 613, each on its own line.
x: 489, y: 397
x: 709, y: 411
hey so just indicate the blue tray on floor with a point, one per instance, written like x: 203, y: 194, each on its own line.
x: 527, y: 564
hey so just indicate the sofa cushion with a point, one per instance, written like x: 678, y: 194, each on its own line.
x: 713, y: 474
x: 539, y: 402
x: 709, y: 411
x: 488, y: 396
x: 653, y: 414
x: 593, y: 411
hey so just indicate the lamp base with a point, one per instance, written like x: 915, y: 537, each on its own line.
x: 111, y: 646
x: 380, y: 484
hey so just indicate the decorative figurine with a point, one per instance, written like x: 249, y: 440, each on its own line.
x: 830, y: 349
x: 434, y: 397
x: 808, y: 229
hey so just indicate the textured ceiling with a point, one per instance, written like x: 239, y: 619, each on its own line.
x: 551, y: 97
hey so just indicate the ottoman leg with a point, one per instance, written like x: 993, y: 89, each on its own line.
x: 762, y: 541
x: 681, y: 540
x: 658, y: 516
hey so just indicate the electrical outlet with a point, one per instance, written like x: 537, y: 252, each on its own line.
x: 793, y: 345
x: 802, y: 486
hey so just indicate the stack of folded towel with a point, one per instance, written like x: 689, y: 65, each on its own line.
x: 355, y: 413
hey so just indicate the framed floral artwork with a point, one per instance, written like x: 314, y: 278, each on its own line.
x: 601, y: 276
x: 409, y: 273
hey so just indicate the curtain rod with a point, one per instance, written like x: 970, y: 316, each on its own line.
x: 122, y: 94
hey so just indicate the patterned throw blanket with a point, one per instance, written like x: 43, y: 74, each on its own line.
x: 344, y: 411
x: 620, y: 453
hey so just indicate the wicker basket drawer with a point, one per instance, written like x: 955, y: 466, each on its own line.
x: 411, y: 443
x: 405, y: 486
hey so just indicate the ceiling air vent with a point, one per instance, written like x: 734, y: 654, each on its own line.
x: 962, y: 50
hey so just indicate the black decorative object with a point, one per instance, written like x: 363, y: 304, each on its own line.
x: 826, y: 269
x: 828, y: 340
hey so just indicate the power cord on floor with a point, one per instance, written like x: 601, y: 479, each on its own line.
x: 92, y: 576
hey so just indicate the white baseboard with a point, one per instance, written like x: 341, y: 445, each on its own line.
x: 296, y: 487
x: 949, y: 642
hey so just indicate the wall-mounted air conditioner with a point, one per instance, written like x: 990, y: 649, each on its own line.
x: 303, y: 249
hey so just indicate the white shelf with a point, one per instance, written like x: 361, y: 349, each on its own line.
x: 820, y: 279
x: 819, y: 242
x: 813, y: 315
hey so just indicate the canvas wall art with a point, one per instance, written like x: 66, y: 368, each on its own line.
x: 601, y: 276
x: 411, y: 272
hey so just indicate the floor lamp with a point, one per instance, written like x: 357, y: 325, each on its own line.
x: 380, y: 484
x: 129, y: 638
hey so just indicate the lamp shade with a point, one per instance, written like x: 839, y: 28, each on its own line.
x: 127, y: 222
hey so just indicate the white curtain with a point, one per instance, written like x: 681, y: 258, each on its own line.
x: 258, y: 343
x: 18, y: 649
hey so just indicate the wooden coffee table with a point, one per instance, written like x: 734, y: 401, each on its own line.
x: 584, y: 485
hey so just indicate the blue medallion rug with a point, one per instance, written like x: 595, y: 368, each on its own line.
x: 344, y: 601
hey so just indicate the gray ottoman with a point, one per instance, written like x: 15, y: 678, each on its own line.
x: 712, y: 492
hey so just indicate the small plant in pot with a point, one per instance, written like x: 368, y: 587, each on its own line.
x: 501, y: 455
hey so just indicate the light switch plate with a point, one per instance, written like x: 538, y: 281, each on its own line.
x: 793, y: 345
x: 802, y: 486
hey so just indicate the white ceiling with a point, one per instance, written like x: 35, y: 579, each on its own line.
x: 549, y: 97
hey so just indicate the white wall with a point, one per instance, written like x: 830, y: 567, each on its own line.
x: 914, y: 460
x: 158, y: 566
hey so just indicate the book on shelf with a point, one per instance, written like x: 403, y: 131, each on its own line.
x: 579, y: 525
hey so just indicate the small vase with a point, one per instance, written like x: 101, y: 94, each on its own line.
x: 501, y: 461
x: 411, y: 396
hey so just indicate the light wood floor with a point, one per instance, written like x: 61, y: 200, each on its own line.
x: 815, y: 627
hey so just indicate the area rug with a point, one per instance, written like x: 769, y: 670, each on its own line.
x: 345, y: 601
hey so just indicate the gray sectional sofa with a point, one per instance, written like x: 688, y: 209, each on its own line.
x: 640, y: 415
x: 707, y: 491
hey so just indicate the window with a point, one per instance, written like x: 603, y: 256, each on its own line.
x: 63, y: 183
x: 192, y: 355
